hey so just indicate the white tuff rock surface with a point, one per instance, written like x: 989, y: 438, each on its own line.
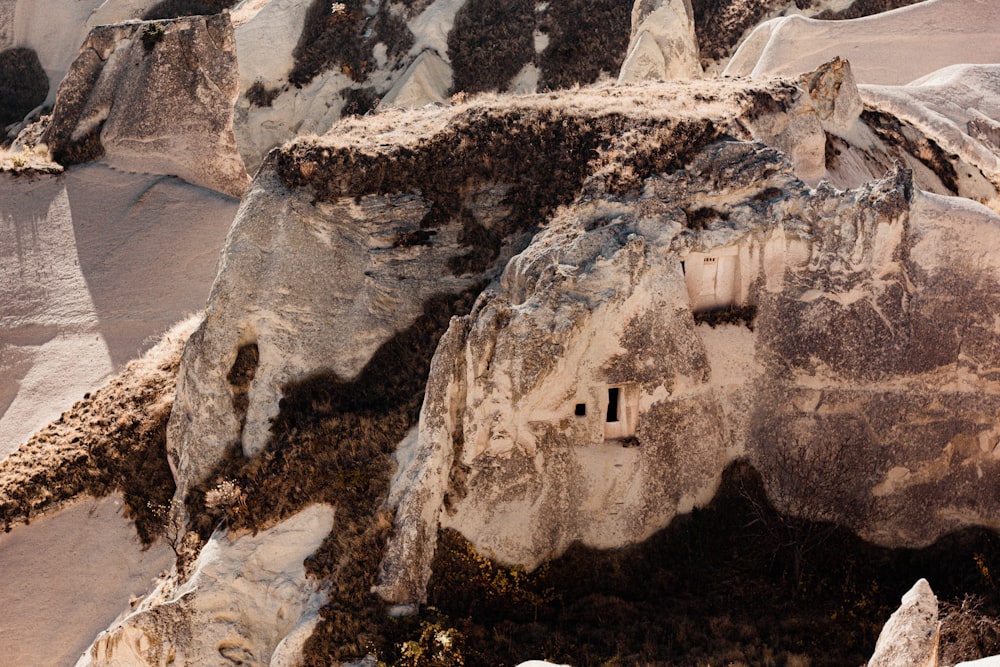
x: 314, y: 287
x: 663, y: 46
x: 155, y: 97
x: 910, y: 637
x: 246, y: 595
x: 581, y: 401
x: 892, y: 48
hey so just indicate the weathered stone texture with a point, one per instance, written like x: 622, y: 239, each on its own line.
x: 154, y: 97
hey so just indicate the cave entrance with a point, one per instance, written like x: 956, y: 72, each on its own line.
x: 713, y: 279
x: 621, y: 411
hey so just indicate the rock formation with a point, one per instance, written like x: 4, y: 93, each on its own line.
x: 650, y: 282
x: 594, y: 394
x: 154, y: 97
x: 912, y: 634
x: 924, y: 37
x: 401, y: 209
x: 245, y: 601
x: 662, y: 46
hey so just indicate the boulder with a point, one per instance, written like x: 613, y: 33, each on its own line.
x: 911, y: 636
x: 154, y: 97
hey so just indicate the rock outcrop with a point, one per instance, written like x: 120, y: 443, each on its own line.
x: 341, y: 242
x: 912, y: 634
x: 246, y: 601
x: 662, y: 46
x: 636, y: 347
x: 588, y: 396
x: 154, y: 97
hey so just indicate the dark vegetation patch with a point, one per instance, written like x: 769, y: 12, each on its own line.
x: 727, y: 315
x: 762, y: 101
x: 543, y: 155
x: 586, y: 37
x: 861, y: 8
x: 171, y: 9
x: 332, y: 35
x: 112, y: 440
x: 967, y: 631
x: 259, y: 95
x: 414, y: 238
x: 152, y: 34
x: 23, y: 84
x: 390, y: 28
x: 720, y: 24
x: 702, y: 218
x: 902, y: 135
x: 715, y: 587
x: 332, y: 442
x: 490, y: 43
x: 340, y: 35
x: 358, y: 101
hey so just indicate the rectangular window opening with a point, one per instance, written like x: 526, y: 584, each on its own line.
x: 613, y: 404
x: 581, y: 410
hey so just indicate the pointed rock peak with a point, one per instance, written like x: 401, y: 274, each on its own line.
x: 911, y: 636
x: 663, y: 45
x: 834, y: 94
x: 426, y: 81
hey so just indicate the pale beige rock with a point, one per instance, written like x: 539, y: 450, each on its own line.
x: 265, y: 40
x: 426, y: 81
x: 314, y: 286
x: 663, y: 46
x: 911, y: 636
x: 580, y: 401
x: 892, y: 48
x: 245, y: 596
x: 830, y: 104
x: 160, y: 104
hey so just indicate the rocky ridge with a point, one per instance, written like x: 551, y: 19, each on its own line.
x: 576, y: 237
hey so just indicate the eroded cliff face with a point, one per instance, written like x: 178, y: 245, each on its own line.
x: 645, y: 260
x: 341, y: 241
x: 637, y: 346
x: 154, y: 97
x: 246, y: 601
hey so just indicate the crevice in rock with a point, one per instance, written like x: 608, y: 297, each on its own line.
x: 241, y: 376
